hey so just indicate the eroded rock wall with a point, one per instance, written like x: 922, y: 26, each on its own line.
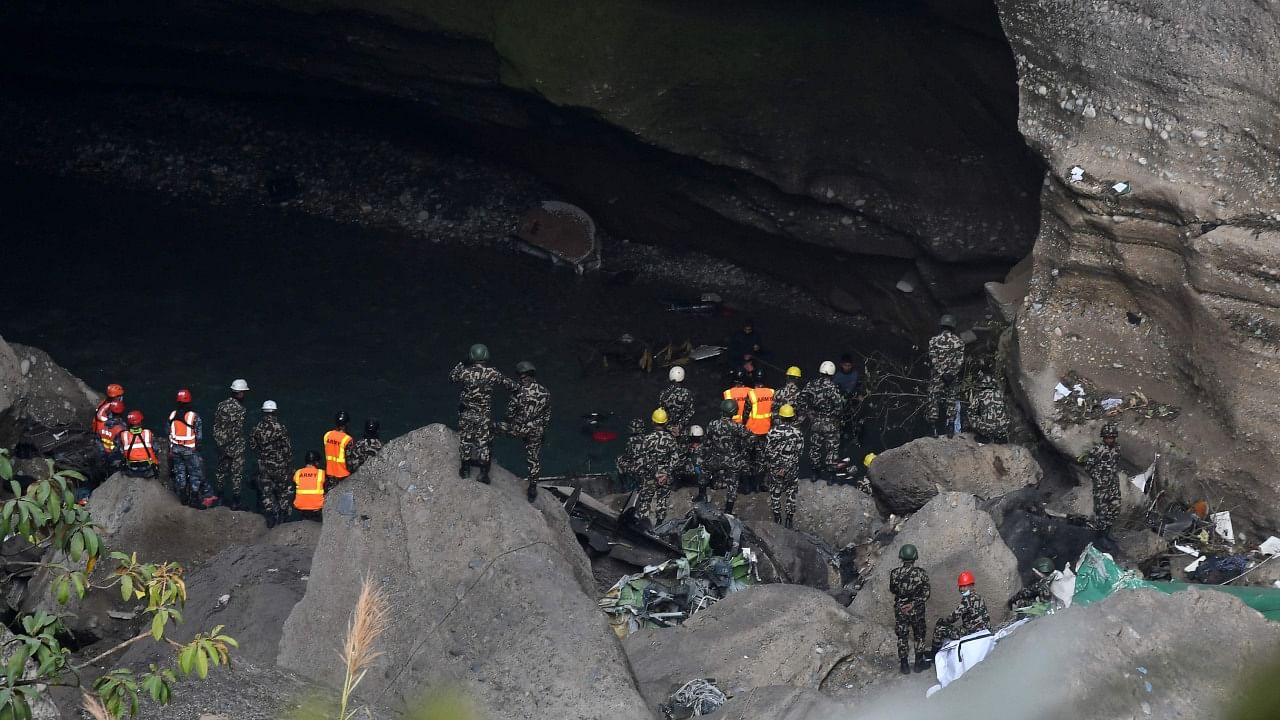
x: 1169, y: 288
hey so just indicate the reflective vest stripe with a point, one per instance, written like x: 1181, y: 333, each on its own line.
x: 761, y: 410
x: 107, y: 436
x: 100, y: 416
x: 136, y: 446
x: 738, y: 395
x: 309, y: 488
x: 335, y: 453
x: 182, y: 431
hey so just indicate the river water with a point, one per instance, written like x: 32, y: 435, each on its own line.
x: 132, y: 286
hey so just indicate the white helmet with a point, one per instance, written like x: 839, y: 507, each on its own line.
x: 676, y: 374
x: 269, y: 406
x: 827, y: 368
x: 239, y: 385
x: 695, y: 431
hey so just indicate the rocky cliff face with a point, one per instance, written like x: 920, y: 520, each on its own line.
x: 840, y: 145
x: 1171, y: 287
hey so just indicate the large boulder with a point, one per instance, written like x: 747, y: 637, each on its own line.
x: 53, y: 396
x: 764, y: 636
x: 908, y: 476
x: 794, y: 557
x: 492, y: 595
x: 952, y: 535
x: 837, y: 514
x: 13, y: 386
x: 1166, y: 288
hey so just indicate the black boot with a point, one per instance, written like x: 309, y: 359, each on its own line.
x: 465, y: 470
x: 922, y: 662
x: 484, y: 473
x: 777, y: 518
x: 903, y: 667
x: 787, y: 524
x: 532, y: 492
x: 234, y: 504
x: 728, y: 507
x: 271, y: 519
x: 701, y: 497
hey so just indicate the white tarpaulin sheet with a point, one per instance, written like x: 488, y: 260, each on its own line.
x: 958, y: 656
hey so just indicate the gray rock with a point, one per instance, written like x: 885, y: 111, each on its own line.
x: 781, y: 702
x: 13, y: 386
x: 837, y: 514
x: 793, y: 557
x: 245, y: 691
x: 53, y: 396
x: 908, y: 476
x: 521, y: 635
x: 764, y: 636
x: 952, y: 535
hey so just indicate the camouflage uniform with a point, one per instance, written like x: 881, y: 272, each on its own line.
x: 475, y: 424
x: 270, y: 439
x: 724, y: 451
x: 228, y: 435
x: 677, y: 400
x: 528, y: 415
x: 909, y: 586
x: 783, y: 448
x: 1039, y: 591
x: 969, y: 617
x: 788, y: 394
x: 628, y: 463
x: 360, y: 452
x: 946, y: 357
x: 823, y: 404
x: 989, y: 416
x: 658, y: 454
x: 1102, y: 463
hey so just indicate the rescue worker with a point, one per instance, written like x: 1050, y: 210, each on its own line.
x: 528, y: 416
x: 628, y: 463
x: 823, y: 406
x: 270, y: 439
x: 475, y: 405
x: 969, y: 617
x: 363, y: 450
x: 136, y: 446
x: 789, y: 393
x: 691, y: 462
x: 228, y: 435
x: 186, y: 436
x: 1041, y: 588
x: 111, y: 426
x: 909, y: 586
x: 847, y: 378
x: 1103, y: 462
x: 658, y: 453
x: 102, y: 414
x: 724, y: 452
x: 309, y: 486
x: 783, y: 449
x: 738, y: 393
x: 678, y: 400
x: 989, y: 415
x: 336, y: 444
x: 946, y: 360
x: 759, y: 406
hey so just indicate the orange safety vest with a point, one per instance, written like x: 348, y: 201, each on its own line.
x: 100, y: 416
x: 335, y: 454
x: 107, y: 435
x: 738, y: 395
x: 136, y: 447
x: 182, y: 430
x: 761, y: 411
x: 309, y: 494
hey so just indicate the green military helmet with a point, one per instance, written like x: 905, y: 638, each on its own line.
x: 524, y: 367
x: 909, y: 553
x: 947, y: 321
x: 729, y: 407
x: 479, y: 353
x: 1110, y: 430
x: 1043, y: 565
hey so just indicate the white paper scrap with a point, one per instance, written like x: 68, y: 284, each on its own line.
x: 1060, y: 392
x: 1186, y: 549
x: 1222, y: 525
x: 1192, y: 567
x: 1271, y: 546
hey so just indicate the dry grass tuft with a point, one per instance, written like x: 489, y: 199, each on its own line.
x: 93, y: 707
x: 369, y: 619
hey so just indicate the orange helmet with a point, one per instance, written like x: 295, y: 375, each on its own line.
x: 965, y: 579
x: 115, y: 391
x: 134, y: 418
x: 184, y: 395
x: 117, y: 407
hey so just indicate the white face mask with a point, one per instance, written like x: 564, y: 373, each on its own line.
x: 965, y: 593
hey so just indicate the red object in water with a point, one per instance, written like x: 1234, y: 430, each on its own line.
x: 604, y: 435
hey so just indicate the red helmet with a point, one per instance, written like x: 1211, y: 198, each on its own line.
x: 115, y: 391
x: 117, y: 407
x: 965, y: 579
x: 184, y: 395
x: 134, y: 418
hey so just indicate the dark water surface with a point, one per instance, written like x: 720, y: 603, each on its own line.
x: 130, y: 286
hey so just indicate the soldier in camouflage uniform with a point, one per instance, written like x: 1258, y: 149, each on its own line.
x: 475, y: 424
x: 228, y: 436
x: 528, y: 415
x: 628, y: 464
x: 1102, y: 463
x: 783, y: 449
x: 270, y: 439
x: 677, y: 400
x: 823, y: 404
x: 946, y: 358
x: 362, y: 450
x: 969, y: 617
x: 789, y: 394
x: 658, y: 454
x: 909, y: 586
x: 724, y: 452
x: 1040, y: 590
x: 692, y: 461
x: 989, y: 416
